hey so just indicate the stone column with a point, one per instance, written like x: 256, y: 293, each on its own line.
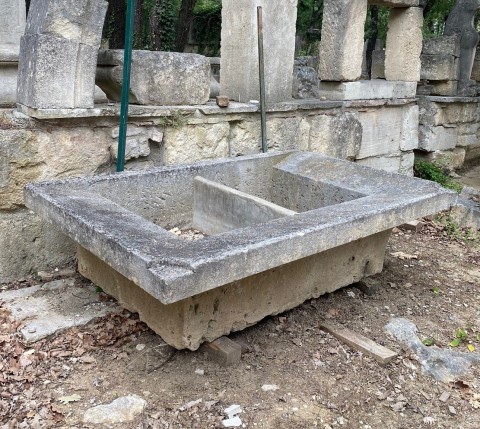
x: 58, y: 53
x: 12, y: 25
x: 239, y: 55
x: 341, y: 47
x: 404, y: 44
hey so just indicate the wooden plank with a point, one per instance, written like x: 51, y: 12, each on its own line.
x: 358, y: 342
x: 223, y: 350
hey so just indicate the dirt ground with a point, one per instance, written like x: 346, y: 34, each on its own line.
x: 434, y: 281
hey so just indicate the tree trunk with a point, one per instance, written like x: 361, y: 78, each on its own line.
x: 183, y: 24
x: 372, y: 40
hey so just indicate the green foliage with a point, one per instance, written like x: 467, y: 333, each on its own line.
x: 437, y: 12
x: 430, y: 341
x: 207, y: 26
x: 309, y: 24
x: 383, y: 14
x: 435, y: 173
x: 453, y: 229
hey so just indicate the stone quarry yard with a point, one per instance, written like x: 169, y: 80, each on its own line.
x: 431, y: 278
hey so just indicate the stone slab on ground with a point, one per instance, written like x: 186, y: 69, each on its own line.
x: 121, y: 410
x: 367, y: 90
x: 54, y: 306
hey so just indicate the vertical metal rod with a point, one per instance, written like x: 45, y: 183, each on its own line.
x: 127, y: 65
x: 261, y: 72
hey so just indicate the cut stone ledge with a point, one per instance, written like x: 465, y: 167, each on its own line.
x: 367, y: 90
x: 190, y: 292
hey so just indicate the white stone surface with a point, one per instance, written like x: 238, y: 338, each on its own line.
x: 54, y: 306
x: 239, y: 58
x: 121, y: 410
x: 367, y: 90
x: 12, y: 26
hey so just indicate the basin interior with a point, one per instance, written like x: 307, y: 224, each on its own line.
x: 167, y: 197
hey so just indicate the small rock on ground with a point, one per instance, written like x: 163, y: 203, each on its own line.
x: 121, y: 410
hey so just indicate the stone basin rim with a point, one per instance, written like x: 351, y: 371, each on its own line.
x: 172, y: 269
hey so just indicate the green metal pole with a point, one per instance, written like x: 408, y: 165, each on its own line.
x: 127, y: 65
x: 261, y: 72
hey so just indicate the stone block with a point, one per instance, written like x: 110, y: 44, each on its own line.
x: 385, y: 163
x: 476, y: 66
x: 409, y: 128
x: 157, y: 78
x: 437, y: 138
x: 404, y: 44
x: 388, y: 130
x: 31, y: 244
x: 378, y: 64
x: 448, y: 159
x: 367, y: 90
x: 446, y: 88
x: 431, y: 113
x: 467, y: 140
x: 56, y: 73
x: 338, y: 136
x: 224, y: 351
x: 210, y: 315
x: 341, y: 46
x: 195, y: 143
x: 407, y: 161
x: 79, y: 21
x: 468, y: 128
x: 455, y: 113
x: 8, y: 83
x: 12, y: 26
x: 58, y: 53
x: 239, y: 50
x: 137, y: 143
x: 305, y: 83
x: 439, y: 67
x: 444, y: 45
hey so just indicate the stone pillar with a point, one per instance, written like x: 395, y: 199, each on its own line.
x: 341, y: 47
x: 404, y: 44
x: 239, y: 53
x: 58, y: 53
x: 12, y: 25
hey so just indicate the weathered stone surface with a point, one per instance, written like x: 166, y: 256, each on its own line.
x: 282, y: 134
x: 305, y: 82
x: 404, y: 44
x: 467, y: 140
x: 367, y: 90
x: 378, y: 64
x: 448, y: 88
x: 445, y: 45
x: 239, y: 57
x: 138, y: 141
x: 341, y: 46
x: 12, y: 26
x: 476, y: 66
x: 79, y: 21
x: 436, y: 138
x: 31, y: 244
x: 455, y: 113
x: 56, y: 73
x: 121, y: 410
x: 407, y: 161
x: 46, y: 309
x: 195, y: 143
x: 448, y: 159
x: 8, y: 83
x: 338, y: 136
x: 58, y: 53
x: 218, y: 208
x: 212, y: 314
x: 157, y: 78
x: 439, y: 67
x: 214, y: 265
x: 387, y: 130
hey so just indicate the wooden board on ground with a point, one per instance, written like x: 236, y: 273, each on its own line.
x: 358, y: 342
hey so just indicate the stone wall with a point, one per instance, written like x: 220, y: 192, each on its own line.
x: 73, y: 143
x: 449, y: 130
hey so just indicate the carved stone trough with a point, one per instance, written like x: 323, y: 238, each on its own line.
x: 281, y: 228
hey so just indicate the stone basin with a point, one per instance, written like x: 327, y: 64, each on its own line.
x: 281, y: 228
